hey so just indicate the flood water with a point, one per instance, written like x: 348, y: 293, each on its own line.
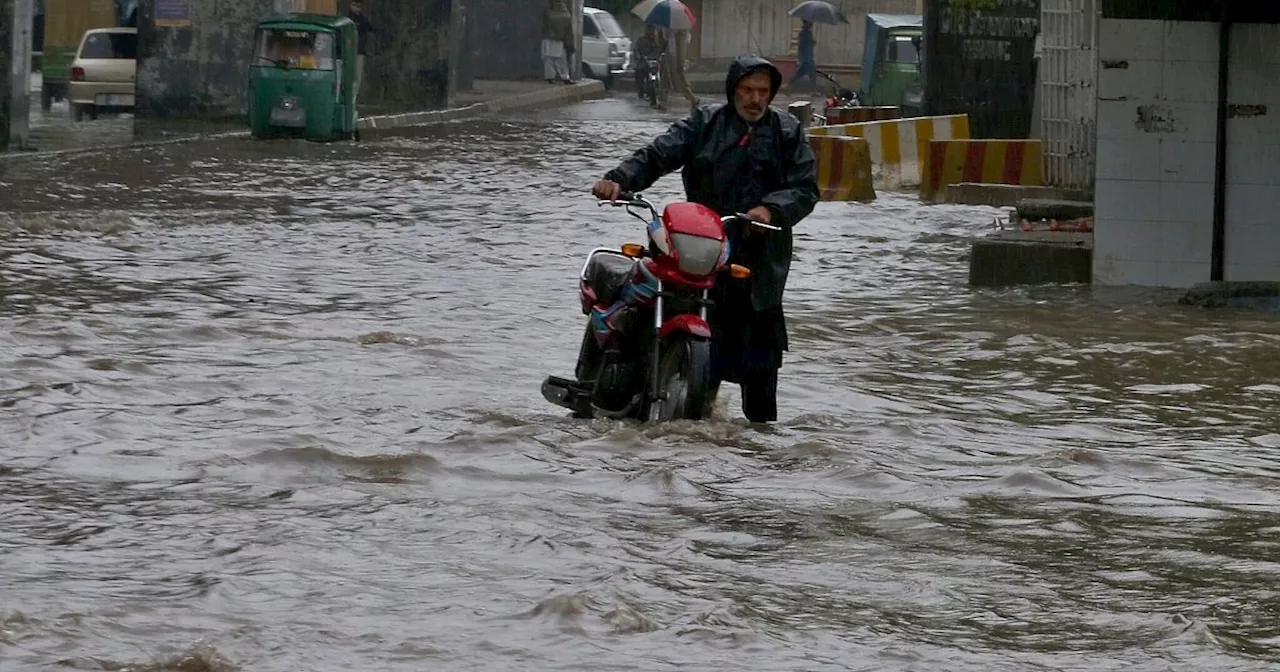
x: 275, y: 407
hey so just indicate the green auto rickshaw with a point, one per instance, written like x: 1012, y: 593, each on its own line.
x: 302, y: 81
x: 891, y: 62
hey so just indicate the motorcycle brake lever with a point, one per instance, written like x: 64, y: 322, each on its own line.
x: 756, y: 222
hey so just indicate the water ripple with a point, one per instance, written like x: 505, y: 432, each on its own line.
x: 257, y: 395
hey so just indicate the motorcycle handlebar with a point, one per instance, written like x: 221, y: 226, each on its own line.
x: 625, y: 199
x: 628, y: 198
x: 749, y: 220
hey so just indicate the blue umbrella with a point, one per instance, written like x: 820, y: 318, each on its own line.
x: 817, y: 11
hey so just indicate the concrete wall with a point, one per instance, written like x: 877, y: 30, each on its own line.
x: 1156, y: 154
x: 201, y: 71
x: 408, y: 65
x: 6, y: 40
x: 1157, y: 120
x: 196, y: 71
x: 734, y: 27
x: 504, y: 39
x: 1253, y: 155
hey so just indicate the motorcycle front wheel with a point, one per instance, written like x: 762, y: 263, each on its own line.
x: 655, y: 92
x: 684, y: 380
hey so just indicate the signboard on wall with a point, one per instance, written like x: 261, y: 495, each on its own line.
x: 173, y: 13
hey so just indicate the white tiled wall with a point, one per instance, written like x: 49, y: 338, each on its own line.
x: 1253, y: 156
x: 1154, y: 187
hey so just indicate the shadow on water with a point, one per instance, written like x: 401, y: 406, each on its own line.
x: 260, y: 394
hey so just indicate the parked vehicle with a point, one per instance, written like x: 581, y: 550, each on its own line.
x: 687, y: 253
x: 606, y: 49
x: 652, y: 84
x: 302, y: 78
x: 103, y: 73
x: 65, y: 24
x: 839, y: 97
x: 891, y: 73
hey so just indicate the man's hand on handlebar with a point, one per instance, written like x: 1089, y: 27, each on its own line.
x: 760, y: 214
x: 607, y: 190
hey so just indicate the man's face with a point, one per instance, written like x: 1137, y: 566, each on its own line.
x: 357, y: 7
x: 751, y: 98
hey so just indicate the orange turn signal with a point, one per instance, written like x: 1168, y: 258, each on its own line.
x: 739, y: 272
x: 633, y: 250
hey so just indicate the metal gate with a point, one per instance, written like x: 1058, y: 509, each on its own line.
x: 1068, y: 89
x: 981, y: 62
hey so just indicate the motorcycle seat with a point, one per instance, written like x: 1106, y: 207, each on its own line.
x: 607, y: 273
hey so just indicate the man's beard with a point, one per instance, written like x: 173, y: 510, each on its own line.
x: 742, y: 112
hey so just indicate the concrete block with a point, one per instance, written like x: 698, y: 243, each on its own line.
x: 1046, y: 208
x: 802, y: 111
x: 1010, y: 258
x: 860, y: 114
x: 1006, y: 195
x: 844, y: 168
x: 1257, y: 295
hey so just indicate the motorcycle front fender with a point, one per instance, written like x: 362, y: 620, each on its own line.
x: 689, y: 324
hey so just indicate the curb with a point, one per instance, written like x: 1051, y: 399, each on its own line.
x: 577, y: 92
x: 134, y: 144
x: 583, y: 90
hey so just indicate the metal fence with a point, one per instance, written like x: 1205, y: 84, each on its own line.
x: 1068, y: 89
x: 981, y: 62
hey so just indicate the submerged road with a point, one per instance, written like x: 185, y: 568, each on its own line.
x: 275, y: 407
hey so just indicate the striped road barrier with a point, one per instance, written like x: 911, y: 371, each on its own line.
x: 1016, y: 162
x: 899, y: 145
x: 844, y: 168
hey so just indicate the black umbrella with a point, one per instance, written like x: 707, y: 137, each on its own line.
x: 817, y: 11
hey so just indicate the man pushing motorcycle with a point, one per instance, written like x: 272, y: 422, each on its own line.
x: 743, y: 157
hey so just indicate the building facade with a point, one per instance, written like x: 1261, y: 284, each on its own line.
x: 1187, y: 181
x: 730, y: 28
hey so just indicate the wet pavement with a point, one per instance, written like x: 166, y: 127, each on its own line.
x: 274, y: 406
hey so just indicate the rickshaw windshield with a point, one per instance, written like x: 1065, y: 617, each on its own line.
x: 303, y: 49
x: 902, y: 49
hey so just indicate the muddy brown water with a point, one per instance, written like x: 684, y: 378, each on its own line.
x: 275, y: 407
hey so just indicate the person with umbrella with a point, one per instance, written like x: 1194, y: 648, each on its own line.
x: 677, y: 20
x: 806, y: 64
x: 677, y: 41
x: 809, y: 13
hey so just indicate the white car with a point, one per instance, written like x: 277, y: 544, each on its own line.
x: 606, y: 50
x: 103, y: 72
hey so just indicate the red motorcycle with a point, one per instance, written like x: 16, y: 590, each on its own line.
x: 646, y: 353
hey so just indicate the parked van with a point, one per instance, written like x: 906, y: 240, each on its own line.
x: 606, y: 50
